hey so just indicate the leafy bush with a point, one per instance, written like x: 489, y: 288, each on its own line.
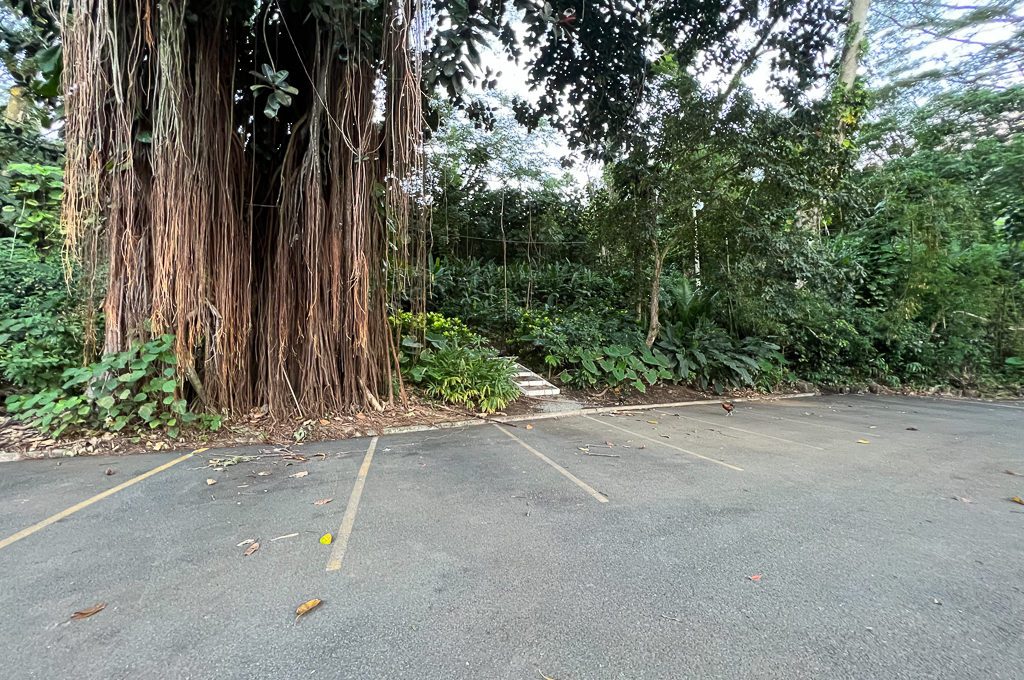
x: 708, y: 356
x: 450, y: 363
x: 134, y: 389
x: 40, y: 332
x: 617, y: 365
x: 470, y: 377
x: 436, y: 330
x: 31, y: 209
x: 551, y: 338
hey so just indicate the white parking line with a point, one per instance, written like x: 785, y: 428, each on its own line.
x: 740, y: 429
x: 666, y: 444
x: 598, y: 496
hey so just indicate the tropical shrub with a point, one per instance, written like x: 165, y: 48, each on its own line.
x: 131, y: 390
x: 40, y: 330
x: 473, y: 377
x: 31, y: 205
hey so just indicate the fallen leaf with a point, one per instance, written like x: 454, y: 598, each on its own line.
x: 609, y: 444
x: 666, y: 436
x: 327, y: 539
x: 298, y: 475
x: 584, y: 449
x: 109, y: 471
x: 86, y: 613
x: 1011, y: 472
x: 306, y: 607
x: 295, y: 456
x: 324, y: 422
x: 912, y: 429
x: 211, y: 482
x: 863, y: 441
x: 529, y: 426
x: 323, y: 501
x: 1018, y: 500
x: 246, y: 542
x: 653, y: 422
x: 756, y: 578
x: 263, y: 473
x: 251, y: 549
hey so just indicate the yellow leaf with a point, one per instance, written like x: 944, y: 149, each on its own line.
x: 306, y: 607
x: 863, y: 441
x: 86, y: 613
x: 327, y: 539
x: 653, y: 422
x: 1018, y: 499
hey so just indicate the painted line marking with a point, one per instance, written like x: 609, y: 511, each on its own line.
x: 348, y: 521
x: 940, y: 403
x: 565, y: 473
x: 25, y: 533
x: 816, y: 421
x: 740, y: 429
x: 663, y: 443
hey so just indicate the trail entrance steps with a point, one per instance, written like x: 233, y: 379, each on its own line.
x: 532, y: 385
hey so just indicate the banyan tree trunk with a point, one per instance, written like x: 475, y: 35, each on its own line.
x: 271, y: 250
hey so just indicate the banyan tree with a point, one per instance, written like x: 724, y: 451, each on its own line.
x: 247, y: 174
x: 244, y: 175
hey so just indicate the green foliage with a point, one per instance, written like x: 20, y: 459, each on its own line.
x: 450, y: 363
x: 40, y: 331
x: 472, y: 377
x: 617, y: 365
x: 132, y: 390
x: 30, y: 209
x: 707, y: 356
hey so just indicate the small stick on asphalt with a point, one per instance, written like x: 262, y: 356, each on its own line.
x: 603, y: 455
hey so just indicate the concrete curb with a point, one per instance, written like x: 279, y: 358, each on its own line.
x: 11, y: 457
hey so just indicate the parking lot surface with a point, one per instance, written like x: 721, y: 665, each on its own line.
x: 838, y: 537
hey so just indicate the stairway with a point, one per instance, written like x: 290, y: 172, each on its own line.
x: 532, y: 385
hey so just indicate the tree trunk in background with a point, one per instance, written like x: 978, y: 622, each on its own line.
x: 654, y: 325
x: 852, y: 50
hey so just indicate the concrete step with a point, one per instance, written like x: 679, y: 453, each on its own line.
x: 533, y: 385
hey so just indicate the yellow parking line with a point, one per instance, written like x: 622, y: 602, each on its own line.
x: 349, y: 520
x: 25, y: 533
x: 663, y: 443
x: 565, y: 473
x: 740, y: 429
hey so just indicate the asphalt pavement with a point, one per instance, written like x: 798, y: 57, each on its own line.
x: 829, y: 537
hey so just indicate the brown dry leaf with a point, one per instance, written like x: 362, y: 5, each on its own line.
x: 529, y: 426
x: 251, y: 549
x: 299, y: 475
x: 211, y: 482
x: 323, y: 501
x: 1018, y: 500
x: 306, y: 607
x: 324, y: 422
x: 295, y: 456
x: 86, y: 613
